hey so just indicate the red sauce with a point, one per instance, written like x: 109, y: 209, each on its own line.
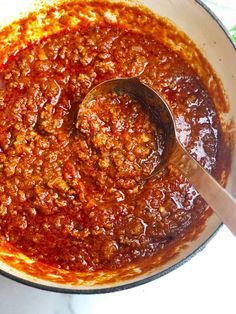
x: 77, y: 198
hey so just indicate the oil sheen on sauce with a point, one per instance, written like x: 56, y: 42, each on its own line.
x: 76, y: 198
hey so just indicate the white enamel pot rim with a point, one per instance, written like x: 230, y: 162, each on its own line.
x: 187, y: 15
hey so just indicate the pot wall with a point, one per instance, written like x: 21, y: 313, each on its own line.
x: 217, y: 48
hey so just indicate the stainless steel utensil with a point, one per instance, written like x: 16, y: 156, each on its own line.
x: 223, y: 204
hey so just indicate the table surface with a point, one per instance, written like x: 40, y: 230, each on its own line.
x: 206, y: 284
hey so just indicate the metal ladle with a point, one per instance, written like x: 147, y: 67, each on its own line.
x: 223, y: 204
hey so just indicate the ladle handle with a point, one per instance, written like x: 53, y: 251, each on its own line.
x: 223, y: 204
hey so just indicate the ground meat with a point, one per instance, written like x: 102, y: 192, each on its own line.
x: 124, y: 151
x: 73, y: 189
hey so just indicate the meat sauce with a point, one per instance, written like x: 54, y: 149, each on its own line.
x: 74, y: 190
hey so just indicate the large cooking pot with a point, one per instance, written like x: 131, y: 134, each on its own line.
x: 192, y: 17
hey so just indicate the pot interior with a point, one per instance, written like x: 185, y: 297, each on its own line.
x: 220, y: 52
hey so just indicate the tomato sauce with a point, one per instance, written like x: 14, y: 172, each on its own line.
x: 73, y: 189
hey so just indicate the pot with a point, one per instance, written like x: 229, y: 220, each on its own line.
x: 215, y: 44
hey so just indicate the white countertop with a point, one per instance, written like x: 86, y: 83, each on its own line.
x: 205, y: 284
